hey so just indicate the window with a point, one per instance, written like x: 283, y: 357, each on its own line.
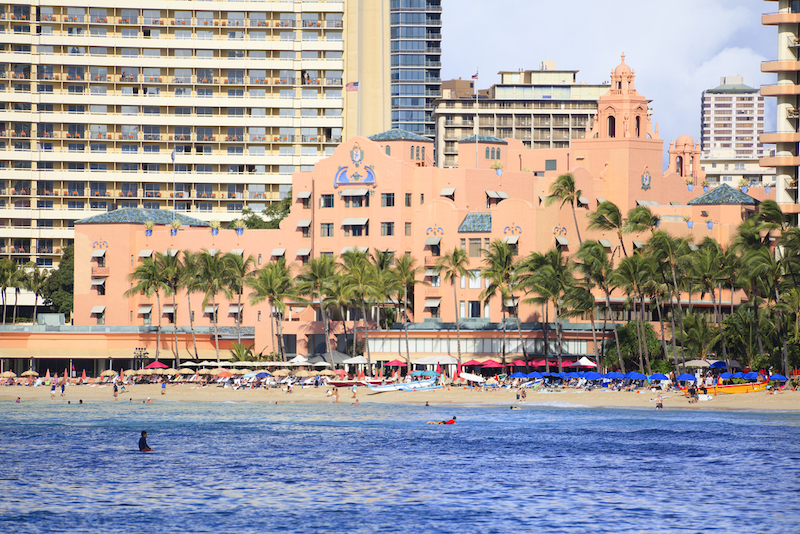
x: 387, y: 228
x: 326, y: 201
x: 387, y: 200
x: 388, y: 150
x: 475, y: 248
x: 408, y: 200
x: 422, y: 198
x: 550, y: 165
x: 326, y: 229
x: 475, y: 308
x: 475, y: 279
x: 408, y: 229
x: 436, y: 280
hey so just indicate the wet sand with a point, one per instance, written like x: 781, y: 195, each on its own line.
x: 453, y: 395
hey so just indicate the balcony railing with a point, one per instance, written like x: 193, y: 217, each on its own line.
x: 101, y: 271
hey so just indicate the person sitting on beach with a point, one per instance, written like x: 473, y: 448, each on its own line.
x: 143, y: 447
x: 449, y: 422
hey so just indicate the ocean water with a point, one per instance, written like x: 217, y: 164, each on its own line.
x: 229, y: 467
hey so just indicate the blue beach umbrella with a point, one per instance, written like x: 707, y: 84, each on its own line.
x: 719, y: 365
x: 751, y: 376
x: 726, y: 376
x: 592, y: 375
x: 738, y: 375
x: 518, y: 375
x: 780, y: 378
x: 614, y: 375
x: 263, y: 374
x: 687, y: 377
x: 659, y: 376
x: 633, y: 375
x: 534, y: 374
x: 427, y: 374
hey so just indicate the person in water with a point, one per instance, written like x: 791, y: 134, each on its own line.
x: 143, y: 447
x: 450, y: 422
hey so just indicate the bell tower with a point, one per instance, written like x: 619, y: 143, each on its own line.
x: 622, y: 113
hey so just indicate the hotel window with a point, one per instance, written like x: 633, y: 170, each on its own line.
x: 408, y: 229
x: 408, y: 200
x: 387, y: 228
x: 387, y: 200
x: 475, y: 279
x: 475, y: 308
x: 326, y: 229
x: 475, y: 248
x: 326, y: 201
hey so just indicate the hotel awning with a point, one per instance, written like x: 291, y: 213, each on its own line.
x: 235, y: 308
x: 304, y: 252
x: 492, y: 194
x: 238, y: 251
x: 168, y: 309
x: 646, y: 203
x: 98, y: 253
x: 674, y: 203
x: 432, y: 303
x: 145, y: 253
x: 584, y: 201
x: 502, y: 194
x: 606, y: 243
x: 355, y: 221
x: 278, y: 252
x: 563, y: 241
x: 98, y: 281
x: 213, y: 251
x: 354, y: 192
x: 433, y: 241
x: 145, y: 309
x: 638, y: 244
x: 211, y: 309
x: 304, y: 194
x: 510, y: 303
x: 98, y: 309
x: 172, y: 252
x: 305, y: 223
x: 448, y: 191
x: 600, y: 200
x: 354, y: 249
x: 542, y: 198
x: 511, y: 239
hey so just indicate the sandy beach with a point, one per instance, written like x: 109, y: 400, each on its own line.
x: 787, y: 401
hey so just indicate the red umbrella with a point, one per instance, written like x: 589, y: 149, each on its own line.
x: 491, y: 364
x: 361, y: 375
x: 340, y: 372
x: 538, y: 363
x: 66, y: 376
x: 396, y: 363
x: 438, y: 368
x: 471, y: 362
x: 518, y: 363
x: 157, y: 365
x: 83, y: 375
x: 458, y: 371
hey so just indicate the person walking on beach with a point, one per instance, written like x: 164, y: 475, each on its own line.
x: 143, y: 446
x: 660, y: 402
x: 62, y: 387
x: 163, y: 387
x: 53, y: 390
x: 116, y: 391
x: 355, y: 390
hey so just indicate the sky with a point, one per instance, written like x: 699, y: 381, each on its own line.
x: 677, y: 49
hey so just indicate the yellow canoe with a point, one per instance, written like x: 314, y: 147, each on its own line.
x: 750, y: 387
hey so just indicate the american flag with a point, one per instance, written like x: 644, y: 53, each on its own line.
x: 352, y: 86
x: 475, y: 76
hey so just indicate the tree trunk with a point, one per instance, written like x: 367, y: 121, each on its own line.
x: 191, y: 325
x: 216, y: 330
x: 325, y: 325
x: 680, y: 307
x: 281, y: 346
x: 644, y: 340
x: 4, y: 304
x: 616, y: 334
x: 782, y: 335
x: 458, y: 326
x: 35, y: 307
x: 158, y: 329
x: 366, y: 340
x: 519, y: 331
x: 758, y: 324
x: 175, y: 327
x: 639, y: 333
x: 546, y: 328
x: 503, y: 310
x: 577, y: 230
x: 622, y: 244
x: 16, y: 300
x: 718, y: 313
x: 405, y: 328
x: 239, y: 316
x: 275, y: 345
x: 558, y: 338
x: 663, y: 333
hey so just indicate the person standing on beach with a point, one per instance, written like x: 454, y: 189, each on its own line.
x: 116, y: 391
x: 660, y: 402
x: 53, y: 390
x: 164, y: 387
x: 62, y: 387
x: 355, y: 390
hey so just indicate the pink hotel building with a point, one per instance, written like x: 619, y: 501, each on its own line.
x: 380, y: 193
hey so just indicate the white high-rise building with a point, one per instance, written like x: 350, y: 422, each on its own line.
x: 202, y: 107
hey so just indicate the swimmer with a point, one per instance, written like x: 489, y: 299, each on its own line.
x: 149, y: 400
x: 143, y: 447
x: 356, y: 403
x: 450, y: 422
x: 18, y: 400
x: 515, y: 407
x: 80, y: 401
x: 426, y: 404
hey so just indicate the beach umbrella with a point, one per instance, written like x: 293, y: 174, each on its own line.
x: 659, y: 376
x: 751, y: 376
x: 427, y: 374
x: 471, y: 362
x: 108, y: 372
x: 780, y: 378
x: 738, y: 375
x: 687, y: 377
x: 726, y: 376
x: 592, y: 375
x: 519, y: 375
x: 189, y: 364
x: 327, y: 372
x: 396, y: 363
x: 303, y: 374
x: 281, y: 372
x: 719, y: 365
x: 47, y: 376
x: 534, y: 374
x: 633, y: 375
x: 156, y: 365
x: 204, y: 372
x: 263, y: 374
x: 491, y: 364
x: 186, y: 372
x: 83, y: 375
x: 8, y: 374
x: 171, y: 371
x: 30, y: 372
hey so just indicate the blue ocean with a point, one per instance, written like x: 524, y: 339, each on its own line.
x: 229, y: 467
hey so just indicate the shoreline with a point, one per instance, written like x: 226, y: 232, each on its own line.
x: 788, y: 401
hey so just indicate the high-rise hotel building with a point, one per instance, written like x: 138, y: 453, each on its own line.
x: 416, y: 49
x: 786, y: 91
x: 202, y: 107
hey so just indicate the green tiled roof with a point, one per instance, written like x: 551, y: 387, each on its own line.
x: 738, y: 88
x: 398, y: 135
x: 141, y: 216
x: 723, y: 194
x: 476, y: 222
x: 483, y: 139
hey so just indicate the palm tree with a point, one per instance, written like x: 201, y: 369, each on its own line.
x: 314, y: 280
x: 631, y: 276
x: 191, y: 283
x: 214, y: 274
x: 149, y: 279
x: 766, y: 269
x: 640, y: 219
x: 273, y: 283
x: 240, y: 270
x: 608, y: 218
x: 171, y: 267
x: 453, y: 267
x: 406, y: 272
x: 360, y: 283
x: 673, y: 252
x: 7, y: 269
x: 338, y: 296
x: 35, y: 284
x: 708, y: 269
x: 596, y: 265
x: 18, y: 283
x: 700, y: 339
x: 499, y: 271
x: 563, y: 190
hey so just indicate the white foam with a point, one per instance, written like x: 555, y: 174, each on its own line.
x: 556, y: 404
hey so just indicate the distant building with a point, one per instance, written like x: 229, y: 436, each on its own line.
x: 462, y: 89
x: 544, y: 108
x: 733, y: 117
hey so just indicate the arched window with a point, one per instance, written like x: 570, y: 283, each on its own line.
x: 388, y: 150
x: 492, y: 153
x: 498, y: 153
x: 638, y: 126
x: 487, y: 152
x: 412, y: 151
x: 611, y: 127
x: 679, y: 162
x: 423, y: 153
x: 417, y: 153
x: 619, y: 85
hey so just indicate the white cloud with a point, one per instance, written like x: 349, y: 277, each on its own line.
x: 677, y: 49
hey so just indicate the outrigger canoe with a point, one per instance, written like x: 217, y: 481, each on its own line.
x: 417, y: 385
x: 750, y: 387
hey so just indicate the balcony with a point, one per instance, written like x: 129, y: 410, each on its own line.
x: 430, y: 261
x: 773, y: 19
x: 777, y: 65
x: 101, y: 271
x: 152, y: 194
x: 780, y: 161
x: 780, y: 89
x: 780, y: 137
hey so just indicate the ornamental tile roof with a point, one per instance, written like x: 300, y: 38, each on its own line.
x: 483, y: 139
x: 398, y: 135
x: 141, y: 216
x: 738, y: 88
x: 476, y: 222
x: 723, y: 194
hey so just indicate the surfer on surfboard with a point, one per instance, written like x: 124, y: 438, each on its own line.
x: 143, y: 447
x: 450, y: 422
